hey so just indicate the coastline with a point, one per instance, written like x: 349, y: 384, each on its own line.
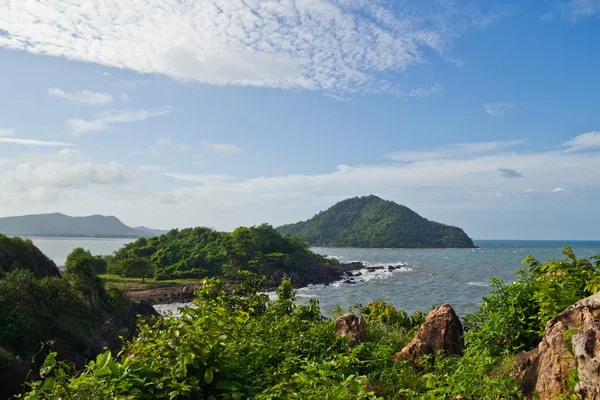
x: 318, y: 275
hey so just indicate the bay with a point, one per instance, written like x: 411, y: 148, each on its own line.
x: 58, y: 248
x: 431, y: 276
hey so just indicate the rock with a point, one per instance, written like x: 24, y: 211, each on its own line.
x: 358, y: 273
x: 351, y: 326
x: 371, y: 269
x: 586, y: 347
x: 349, y: 282
x: 391, y: 268
x: 442, y: 330
x: 552, y: 363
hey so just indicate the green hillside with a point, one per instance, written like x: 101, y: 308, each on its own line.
x: 373, y: 222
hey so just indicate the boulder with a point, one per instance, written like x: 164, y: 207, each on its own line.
x: 586, y: 348
x: 551, y: 364
x: 442, y: 330
x: 351, y: 326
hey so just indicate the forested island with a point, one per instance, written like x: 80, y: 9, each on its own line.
x: 370, y: 221
x: 69, y: 335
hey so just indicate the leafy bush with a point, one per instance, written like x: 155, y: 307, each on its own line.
x: 237, y: 344
x: 64, y: 310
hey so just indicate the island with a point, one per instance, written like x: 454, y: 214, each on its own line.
x: 372, y: 222
x: 61, y: 225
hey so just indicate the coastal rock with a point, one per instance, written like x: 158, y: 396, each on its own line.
x: 351, y: 326
x: 586, y: 347
x: 442, y: 330
x: 548, y: 374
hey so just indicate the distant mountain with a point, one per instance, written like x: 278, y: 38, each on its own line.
x: 373, y: 222
x: 63, y: 225
x: 150, y: 231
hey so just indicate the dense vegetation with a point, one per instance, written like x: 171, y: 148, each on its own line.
x: 372, y: 222
x: 241, y: 345
x: 38, y: 305
x: 204, y: 252
x: 20, y: 254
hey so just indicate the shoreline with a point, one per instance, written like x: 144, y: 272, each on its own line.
x: 184, y: 293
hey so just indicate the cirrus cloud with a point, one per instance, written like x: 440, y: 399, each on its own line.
x: 83, y: 97
x: 222, y: 148
x: 105, y: 120
x: 335, y: 46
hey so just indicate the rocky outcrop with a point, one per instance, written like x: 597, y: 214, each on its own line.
x: 165, y: 294
x: 551, y: 364
x: 442, y: 330
x: 351, y: 326
x: 586, y: 348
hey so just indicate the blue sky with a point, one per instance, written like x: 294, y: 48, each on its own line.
x: 225, y: 113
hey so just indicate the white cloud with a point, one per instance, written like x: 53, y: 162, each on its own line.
x: 167, y: 143
x: 32, y: 142
x: 41, y: 178
x: 575, y: 10
x: 124, y: 98
x: 498, y: 109
x: 83, y: 97
x: 458, y: 150
x: 424, y: 91
x: 205, y: 179
x: 337, y: 46
x: 7, y: 132
x: 450, y: 183
x: 222, y: 148
x: 558, y: 190
x: 590, y: 140
x: 105, y: 120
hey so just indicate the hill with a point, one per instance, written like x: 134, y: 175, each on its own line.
x: 57, y: 224
x: 17, y: 253
x: 203, y: 252
x: 373, y: 222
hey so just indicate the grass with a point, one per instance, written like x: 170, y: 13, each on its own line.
x: 127, y: 284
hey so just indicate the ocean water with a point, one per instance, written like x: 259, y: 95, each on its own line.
x: 428, y: 277
x: 431, y: 277
x: 58, y: 248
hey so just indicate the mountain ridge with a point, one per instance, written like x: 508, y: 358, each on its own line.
x: 372, y: 222
x: 62, y: 225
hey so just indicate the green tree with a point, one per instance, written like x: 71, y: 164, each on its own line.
x: 80, y: 258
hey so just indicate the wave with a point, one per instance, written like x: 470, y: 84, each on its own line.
x: 480, y: 284
x: 371, y: 271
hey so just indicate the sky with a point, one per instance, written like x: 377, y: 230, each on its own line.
x: 223, y: 113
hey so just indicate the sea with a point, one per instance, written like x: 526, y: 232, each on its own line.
x: 427, y: 277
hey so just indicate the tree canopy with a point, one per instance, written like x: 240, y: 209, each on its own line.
x: 203, y: 252
x: 373, y: 222
x: 17, y: 253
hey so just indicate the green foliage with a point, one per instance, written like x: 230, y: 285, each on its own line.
x: 65, y: 310
x: 372, y: 222
x: 237, y: 344
x: 513, y: 317
x: 203, y: 252
x: 17, y: 254
x: 80, y: 259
